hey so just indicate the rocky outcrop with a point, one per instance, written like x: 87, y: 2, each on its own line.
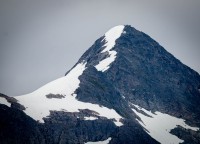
x: 58, y: 96
x: 187, y: 135
x: 13, y: 102
x: 65, y: 127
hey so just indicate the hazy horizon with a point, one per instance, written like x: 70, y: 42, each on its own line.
x: 41, y: 40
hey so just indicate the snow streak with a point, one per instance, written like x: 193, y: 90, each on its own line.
x: 110, y: 37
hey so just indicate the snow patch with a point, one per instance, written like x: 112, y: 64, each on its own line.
x: 4, y: 101
x: 100, y: 142
x: 159, y: 125
x: 38, y: 106
x: 90, y: 118
x: 110, y: 37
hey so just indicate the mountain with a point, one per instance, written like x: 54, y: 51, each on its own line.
x: 125, y: 88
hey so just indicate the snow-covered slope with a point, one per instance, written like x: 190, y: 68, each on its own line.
x: 159, y: 125
x: 39, y: 106
x: 110, y: 37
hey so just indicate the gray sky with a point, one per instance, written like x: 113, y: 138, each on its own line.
x: 40, y: 40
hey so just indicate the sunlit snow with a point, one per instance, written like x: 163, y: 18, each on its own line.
x: 38, y: 106
x: 159, y: 126
x: 110, y: 37
x: 100, y: 142
x: 4, y: 101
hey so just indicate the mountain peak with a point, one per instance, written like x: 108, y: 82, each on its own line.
x: 126, y: 88
x: 104, y: 51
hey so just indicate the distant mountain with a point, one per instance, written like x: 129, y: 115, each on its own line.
x: 125, y: 89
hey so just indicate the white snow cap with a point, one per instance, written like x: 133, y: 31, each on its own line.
x: 110, y: 37
x: 159, y: 125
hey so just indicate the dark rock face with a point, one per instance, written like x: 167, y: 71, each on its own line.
x: 131, y: 133
x: 96, y: 88
x: 18, y: 128
x: 64, y: 127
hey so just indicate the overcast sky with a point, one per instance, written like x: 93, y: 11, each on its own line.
x: 41, y: 39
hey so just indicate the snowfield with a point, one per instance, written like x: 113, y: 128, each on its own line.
x: 39, y: 106
x: 159, y: 125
